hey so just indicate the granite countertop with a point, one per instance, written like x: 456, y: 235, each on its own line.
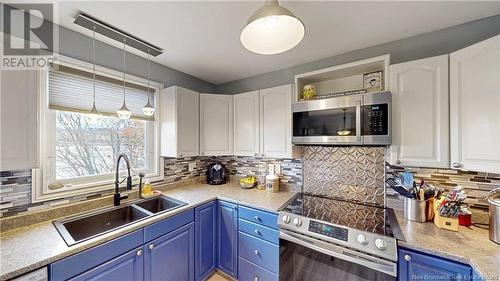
x: 28, y: 248
x: 469, y: 245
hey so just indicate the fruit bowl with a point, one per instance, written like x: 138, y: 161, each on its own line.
x: 248, y: 182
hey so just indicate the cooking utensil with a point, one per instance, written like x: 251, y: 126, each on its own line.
x: 399, y: 188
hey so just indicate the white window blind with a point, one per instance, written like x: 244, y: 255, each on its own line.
x: 72, y: 90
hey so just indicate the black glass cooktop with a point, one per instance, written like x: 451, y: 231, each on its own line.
x: 356, y: 215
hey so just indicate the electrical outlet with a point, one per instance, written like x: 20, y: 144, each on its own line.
x: 192, y: 166
x: 277, y: 169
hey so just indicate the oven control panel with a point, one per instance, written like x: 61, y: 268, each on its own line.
x: 329, y: 230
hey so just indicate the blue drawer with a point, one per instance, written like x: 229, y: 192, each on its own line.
x: 260, y: 217
x: 260, y: 252
x: 169, y: 224
x: 259, y: 231
x: 248, y: 271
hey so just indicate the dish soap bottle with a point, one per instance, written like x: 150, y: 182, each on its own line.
x: 147, y: 189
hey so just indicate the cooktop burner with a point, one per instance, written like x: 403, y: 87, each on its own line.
x: 351, y: 214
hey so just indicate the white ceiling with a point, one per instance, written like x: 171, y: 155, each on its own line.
x: 202, y: 37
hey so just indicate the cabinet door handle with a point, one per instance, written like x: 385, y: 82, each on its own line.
x: 180, y: 155
x: 256, y: 252
x: 257, y: 232
x: 139, y: 252
x: 263, y: 155
x: 398, y: 162
x: 151, y: 246
x: 456, y: 165
x: 255, y: 154
x: 407, y: 258
x: 257, y: 218
x: 234, y: 208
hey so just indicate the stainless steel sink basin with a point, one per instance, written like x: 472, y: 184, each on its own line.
x: 160, y: 204
x: 89, y: 225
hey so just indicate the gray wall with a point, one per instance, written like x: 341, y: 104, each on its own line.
x: 421, y: 46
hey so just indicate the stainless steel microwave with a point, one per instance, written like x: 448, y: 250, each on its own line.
x: 363, y: 119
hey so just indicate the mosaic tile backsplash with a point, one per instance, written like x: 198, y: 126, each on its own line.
x: 352, y: 173
x: 15, y: 186
x: 476, y: 185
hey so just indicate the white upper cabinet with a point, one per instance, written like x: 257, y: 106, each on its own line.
x: 246, y: 124
x: 420, y: 123
x: 216, y: 124
x: 475, y: 107
x: 276, y: 122
x: 19, y: 100
x: 179, y: 118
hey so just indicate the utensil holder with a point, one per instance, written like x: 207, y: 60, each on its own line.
x: 415, y: 210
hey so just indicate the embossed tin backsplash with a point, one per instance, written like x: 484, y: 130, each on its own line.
x: 351, y: 172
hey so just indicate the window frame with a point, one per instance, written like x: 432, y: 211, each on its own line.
x: 45, y: 173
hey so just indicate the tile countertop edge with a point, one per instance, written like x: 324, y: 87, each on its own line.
x: 178, y: 193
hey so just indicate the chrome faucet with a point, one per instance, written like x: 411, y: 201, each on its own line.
x: 117, y: 196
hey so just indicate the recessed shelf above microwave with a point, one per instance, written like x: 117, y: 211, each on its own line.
x: 342, y: 78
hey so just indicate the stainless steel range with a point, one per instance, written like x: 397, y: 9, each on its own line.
x: 333, y: 239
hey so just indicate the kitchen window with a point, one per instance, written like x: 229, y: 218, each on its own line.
x: 78, y: 156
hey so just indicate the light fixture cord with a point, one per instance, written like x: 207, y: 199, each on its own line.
x: 93, y: 60
x: 148, y: 76
x: 124, y: 40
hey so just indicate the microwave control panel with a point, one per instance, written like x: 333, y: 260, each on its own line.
x: 376, y: 119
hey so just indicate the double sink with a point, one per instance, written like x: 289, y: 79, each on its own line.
x: 89, y: 225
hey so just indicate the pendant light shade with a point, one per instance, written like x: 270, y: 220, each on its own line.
x: 148, y: 109
x: 272, y: 29
x: 123, y: 112
x: 93, y: 116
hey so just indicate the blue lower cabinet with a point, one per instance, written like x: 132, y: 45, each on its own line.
x: 414, y: 265
x: 127, y: 267
x: 227, y: 221
x: 171, y: 257
x: 205, y: 240
x: 248, y: 271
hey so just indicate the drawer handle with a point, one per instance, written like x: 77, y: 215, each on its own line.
x: 257, y: 232
x: 151, y: 246
x: 257, y: 218
x: 256, y: 252
x: 256, y: 278
x: 407, y: 258
x: 139, y: 252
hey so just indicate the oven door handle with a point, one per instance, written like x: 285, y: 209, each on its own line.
x: 387, y: 267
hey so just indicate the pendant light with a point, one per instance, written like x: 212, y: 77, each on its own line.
x: 123, y: 112
x: 272, y: 29
x: 148, y: 109
x: 344, y: 131
x: 93, y: 116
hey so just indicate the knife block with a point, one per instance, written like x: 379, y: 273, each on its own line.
x: 444, y: 222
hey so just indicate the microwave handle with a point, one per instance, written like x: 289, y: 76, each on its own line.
x: 358, y: 121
